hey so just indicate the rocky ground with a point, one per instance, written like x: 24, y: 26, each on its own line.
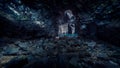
x: 58, y: 53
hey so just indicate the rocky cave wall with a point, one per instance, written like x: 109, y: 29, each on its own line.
x: 37, y: 18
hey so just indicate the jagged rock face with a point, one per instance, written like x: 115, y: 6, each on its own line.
x: 23, y: 19
x: 28, y: 30
x: 44, y: 14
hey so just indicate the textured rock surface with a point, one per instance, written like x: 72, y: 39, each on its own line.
x: 62, y: 52
x: 28, y: 30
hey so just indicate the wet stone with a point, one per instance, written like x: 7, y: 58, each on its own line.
x: 91, y: 44
x: 11, y: 50
x: 23, y: 45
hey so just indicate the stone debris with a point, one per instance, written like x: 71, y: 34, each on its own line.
x: 74, y: 52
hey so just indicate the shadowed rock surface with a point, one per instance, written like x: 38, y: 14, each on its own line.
x: 67, y: 53
x: 29, y: 34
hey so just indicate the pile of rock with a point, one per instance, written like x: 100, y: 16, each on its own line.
x: 69, y: 52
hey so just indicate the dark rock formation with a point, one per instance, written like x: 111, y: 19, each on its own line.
x: 29, y: 33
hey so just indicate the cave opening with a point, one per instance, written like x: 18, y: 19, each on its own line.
x: 59, y: 33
